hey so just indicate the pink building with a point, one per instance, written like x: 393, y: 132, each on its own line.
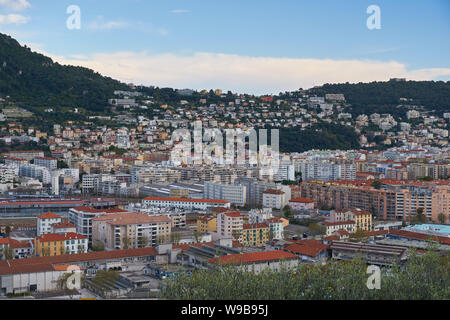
x: 299, y: 204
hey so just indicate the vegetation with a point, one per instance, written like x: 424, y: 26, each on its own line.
x: 376, y: 184
x: 35, y: 80
x: 384, y: 97
x: 321, y: 136
x: 421, y: 278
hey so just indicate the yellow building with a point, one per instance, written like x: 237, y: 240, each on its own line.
x: 255, y: 235
x: 49, y: 245
x: 206, y: 224
x: 363, y: 220
x: 54, y: 244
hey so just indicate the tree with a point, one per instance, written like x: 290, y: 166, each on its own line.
x: 126, y: 242
x: 442, y: 218
x: 420, y: 218
x: 271, y: 234
x: 359, y: 235
x: 8, y: 231
x: 197, y: 236
x: 63, y: 280
x: 175, y: 238
x: 98, y: 246
x: 376, y: 184
x: 142, y: 241
x: 8, y: 252
x: 316, y: 229
x: 420, y: 278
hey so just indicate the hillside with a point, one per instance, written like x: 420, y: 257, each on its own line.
x: 34, y: 80
x: 381, y: 97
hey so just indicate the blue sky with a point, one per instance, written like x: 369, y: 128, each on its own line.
x: 247, y: 45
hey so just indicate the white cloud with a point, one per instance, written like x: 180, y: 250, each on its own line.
x: 101, y: 24
x: 16, y: 5
x: 13, y: 19
x: 258, y: 75
x: 180, y: 11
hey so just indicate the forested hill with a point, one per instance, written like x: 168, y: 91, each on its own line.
x: 33, y: 79
x: 380, y: 97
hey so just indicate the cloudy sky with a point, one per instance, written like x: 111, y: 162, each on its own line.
x: 253, y: 46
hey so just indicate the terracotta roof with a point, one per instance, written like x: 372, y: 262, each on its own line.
x: 274, y: 220
x: 311, y: 251
x: 254, y: 257
x: 60, y: 237
x: 46, y: 263
x: 32, y: 203
x: 255, y: 226
x: 233, y: 214
x: 16, y: 244
x: 361, y: 212
x: 49, y: 215
x: 302, y: 200
x: 63, y: 225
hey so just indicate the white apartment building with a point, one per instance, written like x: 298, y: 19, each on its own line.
x: 82, y: 217
x: 274, y: 199
x: 235, y: 194
x: 36, y: 172
x: 182, y: 203
x: 332, y: 227
x: 45, y: 221
x: 49, y: 163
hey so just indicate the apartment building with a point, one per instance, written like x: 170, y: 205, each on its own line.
x: 36, y: 172
x: 332, y: 227
x: 186, y: 204
x: 45, y: 222
x: 255, y: 235
x: 53, y: 244
x: 327, y: 171
x: 301, y: 204
x: 206, y: 224
x: 276, y: 228
x: 235, y: 194
x: 254, y: 189
x: 130, y: 230
x: 229, y: 224
x: 275, y: 199
x: 49, y: 163
x: 82, y: 217
x: 26, y: 155
x: 362, y: 219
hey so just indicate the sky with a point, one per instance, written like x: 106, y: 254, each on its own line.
x: 246, y: 46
